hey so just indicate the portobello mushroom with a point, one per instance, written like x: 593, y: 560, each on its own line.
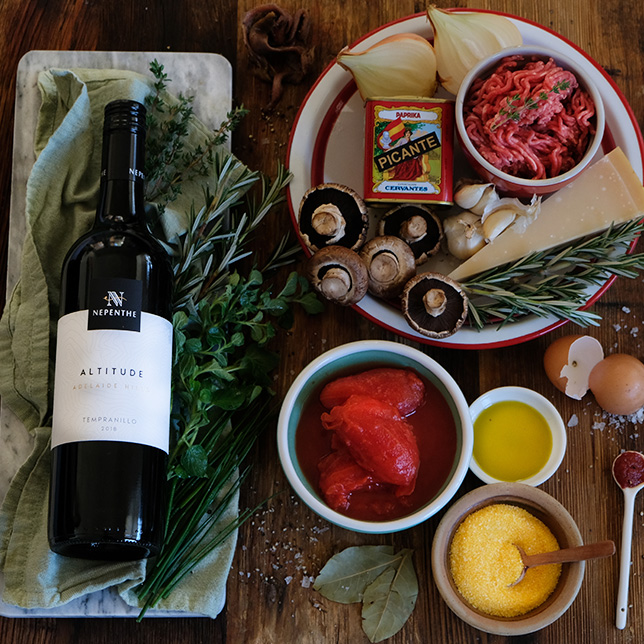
x: 390, y: 263
x: 338, y: 274
x: 417, y: 225
x: 434, y: 305
x: 332, y: 214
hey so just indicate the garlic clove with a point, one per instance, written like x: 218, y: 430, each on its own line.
x: 525, y: 213
x: 400, y: 65
x: 496, y: 222
x: 462, y: 39
x: 468, y: 195
x: 489, y: 201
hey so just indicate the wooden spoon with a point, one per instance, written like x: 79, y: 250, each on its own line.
x: 628, y: 472
x: 565, y: 555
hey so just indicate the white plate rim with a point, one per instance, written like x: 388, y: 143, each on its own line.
x: 620, y: 120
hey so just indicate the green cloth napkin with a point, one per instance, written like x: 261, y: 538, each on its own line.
x: 60, y: 206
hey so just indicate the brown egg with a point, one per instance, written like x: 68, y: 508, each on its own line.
x: 568, y: 362
x: 617, y: 382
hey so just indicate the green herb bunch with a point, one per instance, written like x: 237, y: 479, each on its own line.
x: 223, y: 321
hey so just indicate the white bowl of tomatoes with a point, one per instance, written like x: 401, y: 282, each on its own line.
x: 375, y: 436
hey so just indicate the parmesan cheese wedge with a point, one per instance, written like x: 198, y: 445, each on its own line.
x: 607, y: 192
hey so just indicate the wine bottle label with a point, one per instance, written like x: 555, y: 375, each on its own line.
x: 112, y: 384
x: 115, y: 304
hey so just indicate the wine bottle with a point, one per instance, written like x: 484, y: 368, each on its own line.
x: 111, y: 411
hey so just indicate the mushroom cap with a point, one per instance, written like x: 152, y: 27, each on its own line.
x: 415, y: 224
x: 390, y: 263
x: 338, y: 274
x: 434, y: 305
x: 348, y: 202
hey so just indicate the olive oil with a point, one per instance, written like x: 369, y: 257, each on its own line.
x: 512, y: 441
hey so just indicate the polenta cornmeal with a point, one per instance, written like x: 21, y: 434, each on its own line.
x: 484, y: 560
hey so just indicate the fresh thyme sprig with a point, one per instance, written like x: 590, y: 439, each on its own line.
x: 223, y: 322
x: 169, y: 163
x: 514, y: 109
x: 554, y: 282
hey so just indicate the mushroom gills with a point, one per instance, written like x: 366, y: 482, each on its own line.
x: 332, y: 214
x: 434, y: 305
x: 416, y: 225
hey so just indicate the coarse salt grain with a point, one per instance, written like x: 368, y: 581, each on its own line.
x: 484, y: 560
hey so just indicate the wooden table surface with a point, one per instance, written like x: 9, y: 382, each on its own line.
x: 285, y: 545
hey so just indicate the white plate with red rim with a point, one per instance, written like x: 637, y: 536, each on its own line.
x: 327, y: 143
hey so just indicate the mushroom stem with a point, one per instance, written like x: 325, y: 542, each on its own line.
x: 336, y: 283
x: 413, y: 229
x: 435, y: 301
x: 384, y: 267
x: 327, y: 220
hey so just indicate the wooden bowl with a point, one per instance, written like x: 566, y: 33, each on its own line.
x: 539, y: 504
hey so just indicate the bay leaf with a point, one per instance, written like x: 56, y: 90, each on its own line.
x: 346, y: 575
x: 390, y: 599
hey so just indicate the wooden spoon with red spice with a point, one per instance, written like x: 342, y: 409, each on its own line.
x: 565, y: 555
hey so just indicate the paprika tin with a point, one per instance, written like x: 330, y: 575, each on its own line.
x: 409, y: 146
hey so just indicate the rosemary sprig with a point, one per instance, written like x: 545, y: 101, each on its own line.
x: 554, y: 282
x: 223, y: 322
x: 514, y: 109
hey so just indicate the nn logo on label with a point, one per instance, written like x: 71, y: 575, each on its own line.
x: 115, y: 304
x: 115, y: 298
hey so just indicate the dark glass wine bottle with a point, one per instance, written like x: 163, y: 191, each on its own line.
x: 111, y: 411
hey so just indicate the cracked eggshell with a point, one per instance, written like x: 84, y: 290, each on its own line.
x: 569, y: 361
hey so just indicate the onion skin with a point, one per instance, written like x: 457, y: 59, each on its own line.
x: 397, y: 66
x: 462, y: 39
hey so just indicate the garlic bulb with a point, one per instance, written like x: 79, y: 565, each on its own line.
x: 463, y: 39
x: 464, y: 234
x: 400, y: 65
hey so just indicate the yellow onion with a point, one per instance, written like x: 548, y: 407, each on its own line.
x: 400, y: 65
x: 463, y: 39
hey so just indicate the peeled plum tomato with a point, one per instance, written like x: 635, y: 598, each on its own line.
x: 399, y: 387
x: 435, y: 432
x: 378, y: 438
x: 341, y: 476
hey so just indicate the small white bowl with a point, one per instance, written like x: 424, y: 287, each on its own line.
x: 508, y: 183
x: 357, y: 356
x: 545, y: 408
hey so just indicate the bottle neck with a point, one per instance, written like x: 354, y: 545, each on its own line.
x: 121, y: 197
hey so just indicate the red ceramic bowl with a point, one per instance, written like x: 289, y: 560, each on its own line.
x: 506, y: 183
